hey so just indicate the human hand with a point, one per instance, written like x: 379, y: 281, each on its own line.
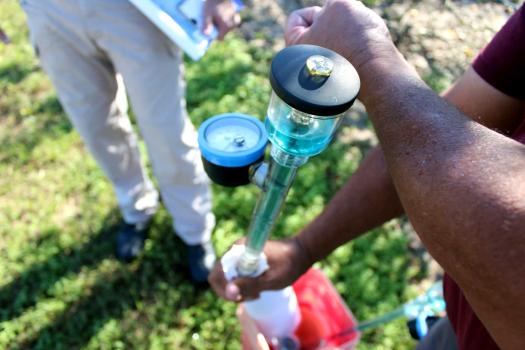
x: 3, y: 37
x: 222, y: 14
x: 345, y: 26
x: 287, y: 261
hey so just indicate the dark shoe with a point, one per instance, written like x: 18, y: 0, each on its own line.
x: 130, y: 241
x: 201, y: 258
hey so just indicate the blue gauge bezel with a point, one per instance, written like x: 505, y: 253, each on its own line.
x: 229, y: 159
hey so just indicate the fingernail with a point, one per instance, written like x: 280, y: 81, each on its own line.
x: 232, y: 292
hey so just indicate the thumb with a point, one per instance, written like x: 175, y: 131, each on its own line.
x: 207, y: 21
x: 247, y: 288
x: 295, y: 35
x: 232, y: 292
x: 298, y: 24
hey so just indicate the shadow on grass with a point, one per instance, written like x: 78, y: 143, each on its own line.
x: 14, y: 73
x: 51, y: 106
x: 109, y: 298
x: 48, y: 121
x: 33, y: 283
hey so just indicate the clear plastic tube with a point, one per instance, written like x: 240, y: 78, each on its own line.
x: 267, y: 209
x: 295, y: 136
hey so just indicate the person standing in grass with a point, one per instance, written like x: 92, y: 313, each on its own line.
x: 82, y: 45
x: 455, y: 165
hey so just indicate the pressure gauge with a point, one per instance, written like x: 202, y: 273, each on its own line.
x: 230, y: 143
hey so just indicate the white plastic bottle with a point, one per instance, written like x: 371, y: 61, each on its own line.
x: 276, y: 313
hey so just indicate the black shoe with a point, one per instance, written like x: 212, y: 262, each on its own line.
x: 130, y: 241
x: 201, y: 258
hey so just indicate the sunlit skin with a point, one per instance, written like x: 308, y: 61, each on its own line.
x: 222, y: 15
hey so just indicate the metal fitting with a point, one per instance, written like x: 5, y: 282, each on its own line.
x: 258, y: 174
x: 319, y: 66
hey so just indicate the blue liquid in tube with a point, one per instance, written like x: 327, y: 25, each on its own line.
x: 298, y: 133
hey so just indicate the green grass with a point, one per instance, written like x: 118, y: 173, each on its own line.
x: 60, y: 285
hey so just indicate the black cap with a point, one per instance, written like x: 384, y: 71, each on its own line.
x: 320, y: 93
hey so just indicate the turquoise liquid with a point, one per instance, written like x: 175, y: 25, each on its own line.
x: 277, y: 184
x: 301, y: 140
x: 268, y: 207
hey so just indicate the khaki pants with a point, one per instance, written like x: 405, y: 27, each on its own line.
x: 82, y: 44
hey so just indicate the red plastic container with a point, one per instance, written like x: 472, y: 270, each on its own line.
x: 325, y: 318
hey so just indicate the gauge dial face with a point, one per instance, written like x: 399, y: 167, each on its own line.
x: 232, y: 138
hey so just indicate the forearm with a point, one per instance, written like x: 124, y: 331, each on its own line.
x: 461, y: 185
x: 367, y: 200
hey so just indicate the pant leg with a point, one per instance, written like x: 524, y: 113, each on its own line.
x: 85, y: 82
x: 153, y: 74
x: 440, y: 337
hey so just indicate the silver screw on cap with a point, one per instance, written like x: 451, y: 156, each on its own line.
x: 319, y: 66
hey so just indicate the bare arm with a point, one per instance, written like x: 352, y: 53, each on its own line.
x: 484, y: 104
x: 460, y: 183
x: 462, y: 186
x: 367, y: 200
x: 369, y: 197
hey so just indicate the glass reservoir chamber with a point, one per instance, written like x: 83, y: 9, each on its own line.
x: 298, y: 133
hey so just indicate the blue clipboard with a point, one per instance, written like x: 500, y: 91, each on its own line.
x: 181, y: 21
